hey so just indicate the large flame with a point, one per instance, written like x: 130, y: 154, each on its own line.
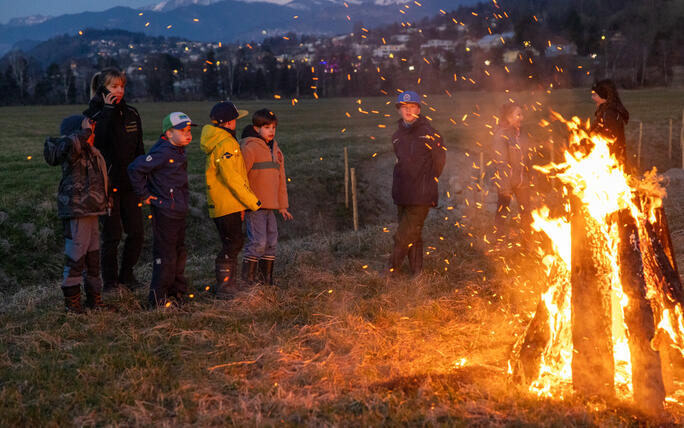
x: 592, y: 174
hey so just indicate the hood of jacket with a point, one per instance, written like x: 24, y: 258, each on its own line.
x: 211, y: 136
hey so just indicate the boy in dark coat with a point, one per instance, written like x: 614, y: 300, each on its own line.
x: 82, y: 198
x: 610, y: 119
x: 420, y: 161
x: 160, y: 179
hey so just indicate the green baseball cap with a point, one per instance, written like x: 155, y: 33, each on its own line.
x: 176, y: 120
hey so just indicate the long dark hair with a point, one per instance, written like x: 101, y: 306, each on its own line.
x: 607, y: 90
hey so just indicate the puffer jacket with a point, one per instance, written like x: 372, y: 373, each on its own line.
x: 266, y: 172
x: 83, y: 189
x: 609, y: 121
x: 420, y: 161
x: 228, y: 189
x: 162, y: 173
x: 512, y: 158
x: 118, y: 136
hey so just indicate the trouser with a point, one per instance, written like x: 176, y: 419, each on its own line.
x: 262, y: 235
x: 522, y: 196
x: 126, y: 216
x: 230, y: 232
x: 82, y: 252
x: 408, y: 240
x: 169, y: 257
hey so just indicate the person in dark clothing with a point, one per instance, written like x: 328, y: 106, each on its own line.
x: 160, y: 179
x: 82, y: 197
x: 118, y: 136
x: 610, y: 119
x: 512, y: 158
x: 420, y: 161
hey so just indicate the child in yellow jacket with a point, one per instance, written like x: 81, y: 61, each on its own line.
x: 266, y: 172
x: 228, y: 191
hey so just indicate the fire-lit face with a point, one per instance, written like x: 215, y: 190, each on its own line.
x: 267, y: 132
x: 89, y: 124
x: 117, y: 88
x: 515, y: 118
x: 409, y: 112
x: 596, y: 98
x: 179, y: 137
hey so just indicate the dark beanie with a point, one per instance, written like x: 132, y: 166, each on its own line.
x: 602, y: 88
x: 71, y: 124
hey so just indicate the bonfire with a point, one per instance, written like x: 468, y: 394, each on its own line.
x: 610, y: 321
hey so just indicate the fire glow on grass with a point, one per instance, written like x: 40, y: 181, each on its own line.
x: 596, y: 178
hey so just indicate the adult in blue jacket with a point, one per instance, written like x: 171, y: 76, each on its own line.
x: 420, y: 161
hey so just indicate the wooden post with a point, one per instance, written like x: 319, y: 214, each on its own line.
x: 641, y: 137
x: 354, y: 204
x: 593, y: 367
x: 346, y: 178
x: 669, y: 143
x: 647, y: 379
x: 681, y: 138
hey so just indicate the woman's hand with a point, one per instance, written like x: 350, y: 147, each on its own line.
x: 148, y: 201
x: 110, y: 99
x: 286, y: 214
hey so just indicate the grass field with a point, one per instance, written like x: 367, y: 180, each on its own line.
x: 336, y: 344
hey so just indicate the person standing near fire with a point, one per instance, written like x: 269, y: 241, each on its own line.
x: 421, y: 157
x: 512, y: 158
x: 118, y: 136
x: 610, y: 119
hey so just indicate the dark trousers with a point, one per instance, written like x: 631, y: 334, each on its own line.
x: 169, y: 257
x: 230, y: 232
x: 126, y: 216
x: 82, y: 253
x: 408, y: 240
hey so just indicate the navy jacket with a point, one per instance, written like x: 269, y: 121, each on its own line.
x: 420, y: 161
x: 162, y: 173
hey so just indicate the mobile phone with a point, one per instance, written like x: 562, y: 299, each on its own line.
x: 104, y: 91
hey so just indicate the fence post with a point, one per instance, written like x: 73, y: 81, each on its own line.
x: 354, y: 204
x: 346, y: 178
x: 641, y: 137
x: 669, y: 144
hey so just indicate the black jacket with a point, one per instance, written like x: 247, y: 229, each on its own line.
x: 118, y: 135
x: 610, y: 121
x: 83, y: 187
x: 162, y: 173
x: 420, y: 161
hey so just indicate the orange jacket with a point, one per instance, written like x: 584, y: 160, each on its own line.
x: 266, y: 172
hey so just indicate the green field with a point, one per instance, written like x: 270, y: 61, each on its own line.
x: 335, y: 344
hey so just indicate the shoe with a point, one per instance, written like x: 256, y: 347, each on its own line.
x: 131, y: 283
x: 249, y: 271
x: 225, y: 280
x: 72, y: 299
x: 94, y: 298
x: 266, y: 268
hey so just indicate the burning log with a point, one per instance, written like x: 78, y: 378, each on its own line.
x: 647, y: 380
x: 592, y: 363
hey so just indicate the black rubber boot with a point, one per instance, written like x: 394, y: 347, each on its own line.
x: 266, y: 268
x: 415, y: 257
x: 225, y: 279
x: 72, y: 299
x: 249, y: 271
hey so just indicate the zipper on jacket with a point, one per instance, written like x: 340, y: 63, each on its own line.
x: 173, y: 201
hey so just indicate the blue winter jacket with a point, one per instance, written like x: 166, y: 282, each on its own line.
x: 420, y: 161
x: 163, y: 173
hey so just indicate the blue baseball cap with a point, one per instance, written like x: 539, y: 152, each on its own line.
x: 408, y: 97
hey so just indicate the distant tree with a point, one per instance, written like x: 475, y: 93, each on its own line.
x: 210, y: 77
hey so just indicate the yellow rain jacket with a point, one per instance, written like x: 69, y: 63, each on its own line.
x: 228, y: 189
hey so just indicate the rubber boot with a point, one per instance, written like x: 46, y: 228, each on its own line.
x: 225, y: 279
x: 94, y: 298
x: 249, y: 271
x: 415, y: 258
x: 266, y: 268
x: 72, y: 299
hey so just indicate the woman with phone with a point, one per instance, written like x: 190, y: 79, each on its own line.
x: 118, y: 136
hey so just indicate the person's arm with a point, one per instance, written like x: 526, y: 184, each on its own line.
x: 140, y: 149
x: 227, y: 167
x: 438, y: 154
x: 283, y: 202
x: 140, y: 169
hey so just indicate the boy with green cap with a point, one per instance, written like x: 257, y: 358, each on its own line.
x: 160, y: 179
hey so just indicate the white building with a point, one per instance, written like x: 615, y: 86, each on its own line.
x: 385, y: 50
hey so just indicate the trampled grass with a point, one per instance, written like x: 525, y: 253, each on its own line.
x: 336, y: 343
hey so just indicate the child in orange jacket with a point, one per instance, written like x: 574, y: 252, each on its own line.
x: 266, y: 173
